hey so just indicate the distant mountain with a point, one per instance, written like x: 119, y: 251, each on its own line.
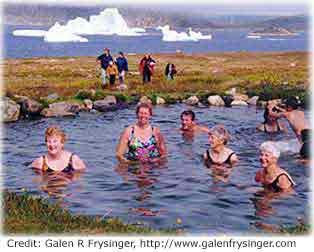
x: 291, y: 23
x: 144, y: 16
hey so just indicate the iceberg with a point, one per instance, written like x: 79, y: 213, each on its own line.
x: 59, y: 33
x: 198, y: 35
x: 172, y: 35
x: 108, y: 22
x: 29, y: 33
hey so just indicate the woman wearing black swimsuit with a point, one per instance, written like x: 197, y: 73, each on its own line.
x: 218, y: 153
x: 271, y: 123
x: 271, y: 175
x: 57, y: 159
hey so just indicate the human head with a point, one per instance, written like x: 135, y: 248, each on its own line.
x: 292, y: 103
x: 106, y: 50
x: 121, y: 54
x: 187, y: 119
x: 220, y: 132
x: 267, y: 116
x: 55, y: 131
x: 269, y: 153
x: 144, y: 106
x: 110, y: 63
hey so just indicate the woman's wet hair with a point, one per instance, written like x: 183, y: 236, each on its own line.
x: 271, y: 148
x: 144, y: 105
x: 188, y: 113
x: 55, y: 131
x: 221, y: 132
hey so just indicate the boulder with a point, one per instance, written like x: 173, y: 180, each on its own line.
x: 145, y: 99
x: 160, y: 100
x: 29, y: 106
x: 239, y: 103
x: 253, y: 100
x: 10, y: 110
x: 53, y: 96
x: 215, y: 100
x: 192, y: 100
x: 240, y: 97
x: 109, y: 103
x: 61, y: 109
x: 88, y: 104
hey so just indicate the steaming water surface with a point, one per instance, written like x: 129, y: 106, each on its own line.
x: 207, y: 201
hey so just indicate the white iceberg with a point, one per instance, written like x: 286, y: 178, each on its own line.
x: 198, y: 35
x: 253, y: 36
x: 29, y: 33
x: 108, y: 22
x: 59, y: 33
x: 172, y: 35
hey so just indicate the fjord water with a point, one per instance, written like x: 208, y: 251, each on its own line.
x: 207, y: 201
x: 223, y: 41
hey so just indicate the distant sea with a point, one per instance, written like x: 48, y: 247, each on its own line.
x: 223, y: 41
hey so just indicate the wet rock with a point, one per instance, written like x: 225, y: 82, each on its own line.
x: 192, y: 100
x: 109, y: 103
x: 88, y: 104
x: 253, y: 100
x: 160, y: 100
x: 10, y: 110
x: 239, y: 103
x: 215, y: 100
x: 29, y: 106
x: 145, y: 99
x: 61, y: 109
x: 228, y: 99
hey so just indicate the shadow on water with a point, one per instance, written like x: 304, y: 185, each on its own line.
x: 206, y: 200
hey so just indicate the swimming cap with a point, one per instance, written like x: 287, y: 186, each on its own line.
x: 270, y: 147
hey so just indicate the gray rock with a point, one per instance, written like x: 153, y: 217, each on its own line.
x: 29, y: 106
x: 61, y: 109
x: 239, y: 103
x: 215, y: 100
x: 10, y: 110
x: 160, y: 100
x: 53, y: 96
x: 145, y: 99
x: 231, y: 91
x: 240, y: 97
x: 253, y: 100
x: 192, y: 100
x: 109, y: 103
x: 88, y: 104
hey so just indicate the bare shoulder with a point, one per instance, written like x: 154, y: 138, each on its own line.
x: 37, y: 163
x: 156, y: 130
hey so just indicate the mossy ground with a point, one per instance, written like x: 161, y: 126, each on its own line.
x: 211, y: 73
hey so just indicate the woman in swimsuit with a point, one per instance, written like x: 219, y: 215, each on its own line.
x: 271, y: 123
x: 57, y: 159
x: 219, y: 154
x: 141, y: 141
x: 271, y: 175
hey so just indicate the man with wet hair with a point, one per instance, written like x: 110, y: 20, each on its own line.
x: 296, y: 120
x: 188, y: 125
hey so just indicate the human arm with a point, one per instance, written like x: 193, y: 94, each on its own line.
x: 37, y: 163
x: 258, y: 176
x: 78, y: 163
x: 122, y: 146
x: 284, y: 182
x: 161, y: 143
x: 234, y: 159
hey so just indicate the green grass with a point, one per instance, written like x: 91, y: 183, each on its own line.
x: 28, y: 214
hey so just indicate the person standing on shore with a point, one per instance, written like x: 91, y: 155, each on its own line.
x: 112, y: 72
x: 170, y: 71
x: 123, y: 68
x: 104, y: 60
x: 146, y: 68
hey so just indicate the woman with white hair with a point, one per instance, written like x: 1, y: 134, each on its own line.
x: 271, y: 175
x: 219, y: 153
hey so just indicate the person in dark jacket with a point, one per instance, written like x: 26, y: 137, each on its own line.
x: 122, y: 64
x: 170, y: 71
x: 104, y: 60
x: 146, y: 68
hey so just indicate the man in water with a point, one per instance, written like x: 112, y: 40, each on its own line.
x: 297, y: 122
x: 188, y: 126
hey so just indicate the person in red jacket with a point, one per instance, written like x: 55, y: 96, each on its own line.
x: 146, y: 68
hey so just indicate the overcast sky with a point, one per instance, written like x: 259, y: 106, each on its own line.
x: 245, y: 7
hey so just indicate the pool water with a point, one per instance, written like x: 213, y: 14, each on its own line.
x: 180, y: 193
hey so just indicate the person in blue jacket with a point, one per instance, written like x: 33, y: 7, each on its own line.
x: 104, y: 60
x: 122, y: 64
